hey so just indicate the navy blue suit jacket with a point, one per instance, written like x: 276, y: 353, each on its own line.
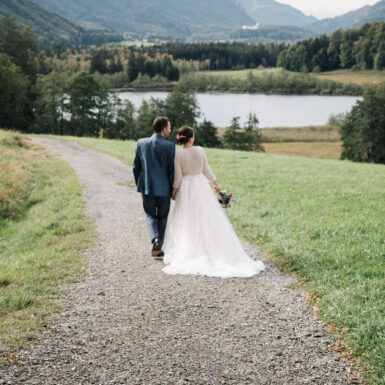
x: 153, y: 166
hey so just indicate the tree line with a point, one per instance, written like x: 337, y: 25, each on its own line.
x: 358, y: 48
x: 222, y: 56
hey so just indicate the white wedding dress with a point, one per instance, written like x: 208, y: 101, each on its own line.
x: 199, y: 237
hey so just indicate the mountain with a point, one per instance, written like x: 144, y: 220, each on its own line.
x: 356, y: 18
x: 176, y: 18
x: 49, y: 27
x: 270, y: 12
x: 272, y: 33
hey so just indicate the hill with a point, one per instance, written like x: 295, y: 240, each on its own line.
x: 50, y: 27
x: 270, y: 12
x: 356, y: 18
x: 272, y: 33
x: 199, y: 19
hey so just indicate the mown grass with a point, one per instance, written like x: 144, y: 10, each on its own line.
x: 363, y: 78
x: 323, y: 220
x: 43, y: 236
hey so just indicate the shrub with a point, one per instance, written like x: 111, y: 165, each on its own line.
x: 363, y: 131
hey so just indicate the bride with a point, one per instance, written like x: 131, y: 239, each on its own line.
x: 199, y: 237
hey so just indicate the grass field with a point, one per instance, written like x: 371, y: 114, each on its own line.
x: 43, y: 236
x: 242, y: 74
x: 323, y: 220
x: 301, y: 134
x: 322, y: 150
x: 314, y: 141
x: 366, y: 77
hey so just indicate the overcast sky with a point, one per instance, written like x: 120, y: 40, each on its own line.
x: 327, y: 8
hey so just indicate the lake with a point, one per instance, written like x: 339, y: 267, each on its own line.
x: 271, y: 110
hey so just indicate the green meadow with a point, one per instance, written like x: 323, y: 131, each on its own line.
x: 43, y: 237
x: 320, y: 219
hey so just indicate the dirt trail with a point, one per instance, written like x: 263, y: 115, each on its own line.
x: 127, y: 322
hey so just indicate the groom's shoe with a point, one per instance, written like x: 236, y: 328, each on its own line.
x: 157, y: 251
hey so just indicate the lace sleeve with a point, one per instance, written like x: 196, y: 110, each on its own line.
x: 206, y: 168
x: 177, y: 173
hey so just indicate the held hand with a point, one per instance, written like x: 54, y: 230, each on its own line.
x: 173, y: 194
x: 217, y: 189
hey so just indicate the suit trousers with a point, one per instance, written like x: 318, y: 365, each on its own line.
x: 156, y: 209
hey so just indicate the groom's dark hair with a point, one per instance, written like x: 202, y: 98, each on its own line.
x: 159, y: 123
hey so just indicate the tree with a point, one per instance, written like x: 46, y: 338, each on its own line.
x: 253, y: 137
x: 50, y: 103
x: 132, y: 70
x: 14, y: 99
x: 379, y: 60
x: 231, y: 137
x: 363, y: 131
x: 125, y: 126
x: 83, y: 91
x: 246, y: 139
x: 206, y: 135
x: 147, y: 112
x: 20, y: 45
x: 98, y: 62
x: 181, y: 107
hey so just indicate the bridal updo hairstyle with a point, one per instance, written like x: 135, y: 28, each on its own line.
x: 184, y: 134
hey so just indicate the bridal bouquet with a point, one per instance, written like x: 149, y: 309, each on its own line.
x: 225, y: 198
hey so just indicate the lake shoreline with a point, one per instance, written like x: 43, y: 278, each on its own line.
x: 271, y: 110
x: 211, y: 89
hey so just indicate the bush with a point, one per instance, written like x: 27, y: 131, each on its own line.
x: 363, y: 131
x: 248, y: 139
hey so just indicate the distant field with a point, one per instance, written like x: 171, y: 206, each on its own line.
x: 362, y: 78
x: 322, y: 150
x: 301, y: 134
x: 324, y: 220
x: 314, y: 141
x: 344, y: 76
x: 242, y: 74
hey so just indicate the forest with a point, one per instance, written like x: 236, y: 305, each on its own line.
x: 358, y: 48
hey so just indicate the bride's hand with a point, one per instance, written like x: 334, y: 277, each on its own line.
x: 217, y: 189
x: 173, y: 195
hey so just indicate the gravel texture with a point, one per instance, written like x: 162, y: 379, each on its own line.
x: 127, y: 322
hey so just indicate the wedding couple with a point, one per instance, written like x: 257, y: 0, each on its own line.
x: 192, y: 234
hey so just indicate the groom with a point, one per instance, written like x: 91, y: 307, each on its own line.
x: 153, y: 170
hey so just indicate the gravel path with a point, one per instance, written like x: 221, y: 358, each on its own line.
x: 127, y: 322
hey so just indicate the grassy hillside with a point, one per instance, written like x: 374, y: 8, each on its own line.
x: 43, y: 236
x: 272, y: 33
x: 323, y: 220
x: 183, y: 19
x: 271, y: 12
x: 49, y: 27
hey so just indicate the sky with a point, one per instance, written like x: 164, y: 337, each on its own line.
x: 327, y: 8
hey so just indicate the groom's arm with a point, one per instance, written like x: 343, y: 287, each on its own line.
x: 137, y: 165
